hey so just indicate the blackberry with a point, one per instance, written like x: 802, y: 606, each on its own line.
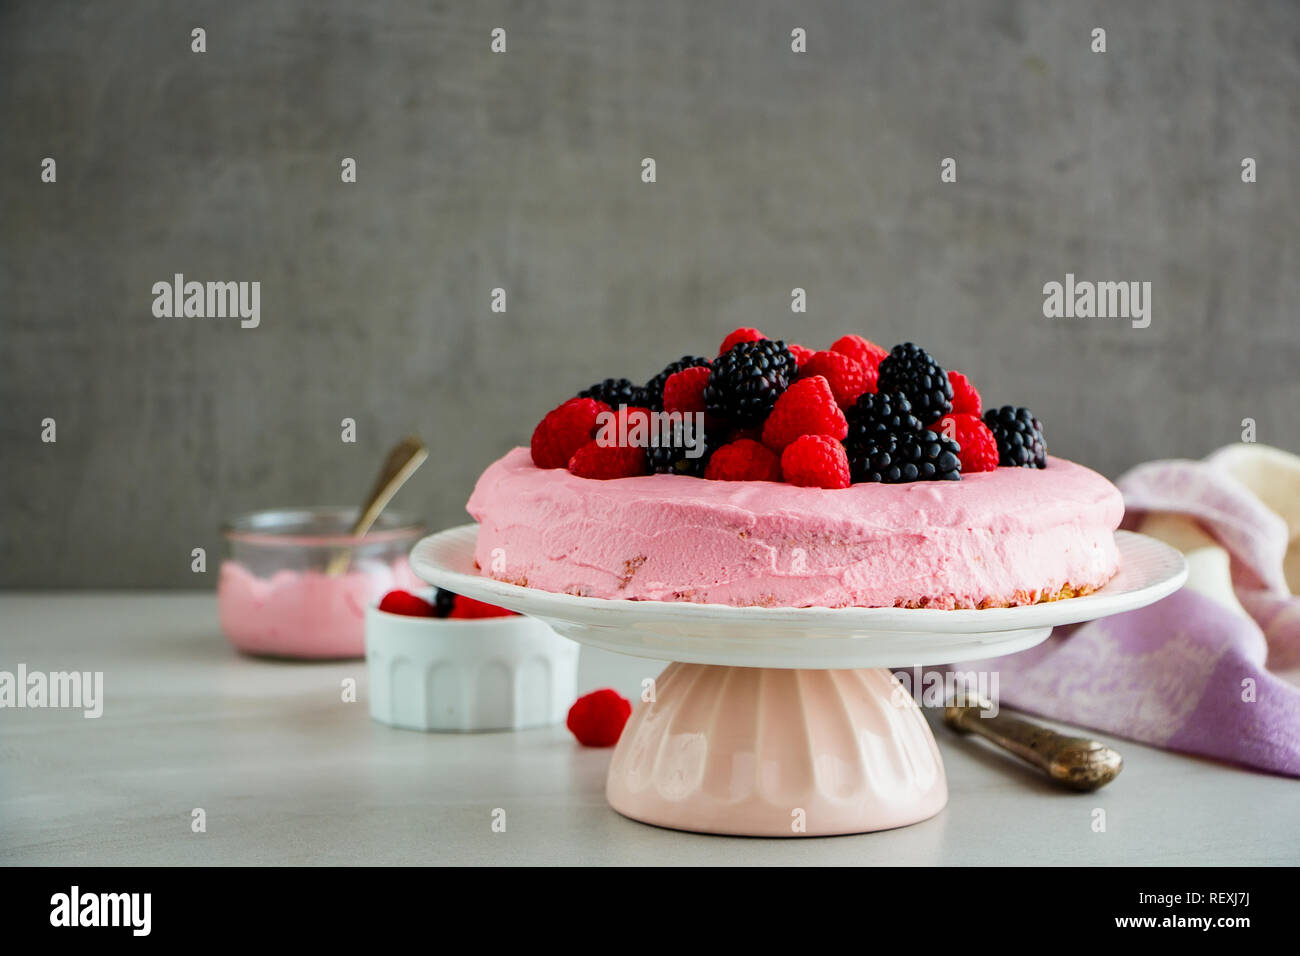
x: 672, y: 459
x: 615, y: 392
x: 880, y: 413
x: 910, y: 370
x: 910, y: 456
x: 745, y: 381
x: 443, y: 602
x: 1019, y: 436
x: 654, y: 389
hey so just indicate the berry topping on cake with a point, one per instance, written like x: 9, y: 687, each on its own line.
x: 868, y: 353
x: 807, y: 407
x: 910, y: 369
x: 407, y: 604
x: 738, y: 336
x: 615, y: 392
x: 877, y: 413
x: 654, y: 389
x: 979, y: 449
x: 801, y: 354
x: 848, y: 377
x: 564, y: 430
x: 594, y: 460
x: 935, y: 457
x: 911, y: 456
x: 877, y: 406
x: 746, y: 380
x: 815, y: 461
x: 1019, y: 437
x: 965, y: 400
x: 680, y: 457
x: 684, y: 390
x: 743, y: 460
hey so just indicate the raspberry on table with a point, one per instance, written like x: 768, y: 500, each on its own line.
x: 564, y: 430
x: 743, y: 460
x: 597, y: 719
x: 848, y: 377
x: 815, y: 461
x: 807, y: 407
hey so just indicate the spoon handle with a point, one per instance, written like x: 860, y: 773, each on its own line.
x: 406, y: 456
x: 1074, y: 762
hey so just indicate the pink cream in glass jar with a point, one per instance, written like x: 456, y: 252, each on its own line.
x: 275, y: 597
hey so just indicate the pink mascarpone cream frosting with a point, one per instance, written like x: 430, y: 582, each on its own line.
x: 1004, y: 537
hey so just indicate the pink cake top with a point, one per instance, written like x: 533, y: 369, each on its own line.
x: 991, y: 534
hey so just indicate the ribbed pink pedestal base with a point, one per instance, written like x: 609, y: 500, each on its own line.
x: 762, y: 752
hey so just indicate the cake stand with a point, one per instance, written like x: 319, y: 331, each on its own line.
x: 788, y: 721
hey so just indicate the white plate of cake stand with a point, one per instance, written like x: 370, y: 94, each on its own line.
x: 788, y: 721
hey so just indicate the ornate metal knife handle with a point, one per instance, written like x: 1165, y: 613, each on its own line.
x: 1074, y: 762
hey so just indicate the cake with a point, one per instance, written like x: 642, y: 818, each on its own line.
x: 813, y: 484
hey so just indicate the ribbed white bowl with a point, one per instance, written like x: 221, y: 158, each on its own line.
x: 499, y: 673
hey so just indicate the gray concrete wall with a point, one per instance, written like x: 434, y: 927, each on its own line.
x: 775, y: 170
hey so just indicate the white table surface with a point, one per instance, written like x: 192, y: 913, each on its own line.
x: 287, y: 773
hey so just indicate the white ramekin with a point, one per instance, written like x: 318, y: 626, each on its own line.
x: 495, y: 673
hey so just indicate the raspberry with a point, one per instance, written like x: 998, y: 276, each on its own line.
x: 597, y: 719
x: 594, y: 460
x: 740, y: 335
x: 406, y: 603
x: 743, y: 460
x: 805, y: 408
x: 801, y: 354
x: 468, y: 608
x: 684, y: 391
x: 965, y: 400
x: 564, y: 430
x: 654, y: 389
x: 856, y: 347
x: 815, y: 461
x: 848, y: 377
x: 979, y: 449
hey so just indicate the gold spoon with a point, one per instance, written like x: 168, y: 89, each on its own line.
x: 1074, y: 762
x: 406, y: 456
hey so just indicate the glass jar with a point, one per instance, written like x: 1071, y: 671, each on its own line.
x: 294, y: 583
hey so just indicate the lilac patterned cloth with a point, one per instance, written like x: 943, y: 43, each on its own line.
x: 1199, y: 671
